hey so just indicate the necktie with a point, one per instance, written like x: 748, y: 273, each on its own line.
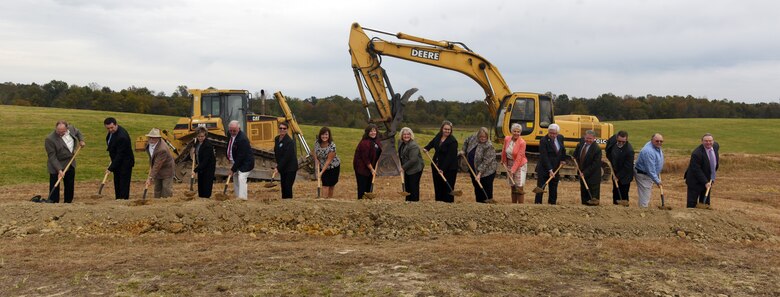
x: 583, y: 152
x: 713, y: 162
x: 230, y: 149
x: 557, y: 146
x: 109, y: 138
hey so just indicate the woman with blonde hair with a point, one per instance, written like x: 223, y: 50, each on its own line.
x: 513, y: 157
x: 411, y: 163
x: 481, y: 157
x: 446, y: 158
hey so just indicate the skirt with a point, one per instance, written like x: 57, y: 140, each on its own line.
x: 331, y: 177
x: 519, y: 176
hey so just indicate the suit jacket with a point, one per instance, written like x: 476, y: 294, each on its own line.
x: 484, y: 157
x: 622, y: 160
x: 366, y: 153
x: 207, y: 161
x: 549, y: 159
x: 161, y: 161
x: 446, y: 156
x: 699, y: 171
x: 284, y: 152
x: 591, y: 164
x: 58, y: 152
x: 243, y: 158
x: 411, y: 157
x: 120, y: 150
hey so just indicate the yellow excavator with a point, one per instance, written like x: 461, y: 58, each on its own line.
x: 215, y: 109
x: 533, y: 111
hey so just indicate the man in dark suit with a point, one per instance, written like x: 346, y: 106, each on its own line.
x: 701, y: 171
x: 286, y: 161
x: 120, y: 151
x: 240, y: 154
x: 620, y: 154
x: 588, y: 154
x: 60, y: 146
x: 551, y: 155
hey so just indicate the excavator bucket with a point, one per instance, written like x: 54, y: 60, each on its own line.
x: 387, y: 165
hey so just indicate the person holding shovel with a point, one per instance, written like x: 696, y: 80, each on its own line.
x: 60, y: 145
x: 514, y: 160
x: 364, y: 162
x: 551, y: 157
x: 162, y: 165
x: 120, y: 150
x: 242, y: 160
x: 327, y: 161
x: 446, y: 158
x: 286, y: 162
x: 648, y: 168
x: 620, y: 154
x: 411, y: 162
x: 481, y: 158
x: 700, y: 174
x: 206, y: 163
x: 588, y: 154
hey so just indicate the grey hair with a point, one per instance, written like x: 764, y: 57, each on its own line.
x: 554, y: 127
x: 515, y: 126
x: 705, y: 135
x: 407, y: 130
x: 483, y: 130
x: 590, y: 132
x: 234, y: 123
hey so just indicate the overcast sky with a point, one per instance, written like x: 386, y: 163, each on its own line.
x: 715, y: 49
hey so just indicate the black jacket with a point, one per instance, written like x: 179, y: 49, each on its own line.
x: 120, y: 150
x: 699, y: 171
x: 284, y: 152
x: 591, y: 165
x: 622, y: 160
x: 446, y: 156
x: 548, y: 158
x: 244, y: 159
x: 207, y: 161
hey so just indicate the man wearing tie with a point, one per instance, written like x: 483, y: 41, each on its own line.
x: 701, y: 171
x: 241, y: 158
x: 120, y: 151
x: 588, y: 157
x: 60, y: 147
x: 551, y: 155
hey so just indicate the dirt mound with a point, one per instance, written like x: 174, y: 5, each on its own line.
x: 371, y: 219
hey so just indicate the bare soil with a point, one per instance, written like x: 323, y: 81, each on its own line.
x: 386, y: 247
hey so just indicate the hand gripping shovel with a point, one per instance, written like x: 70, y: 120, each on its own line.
x: 663, y: 205
x: 706, y: 204
x: 617, y: 186
x: 223, y: 196
x: 452, y: 192
x: 78, y: 148
x: 370, y: 194
x: 191, y: 193
x: 511, y: 178
x: 475, y: 177
x: 582, y: 180
x: 539, y: 190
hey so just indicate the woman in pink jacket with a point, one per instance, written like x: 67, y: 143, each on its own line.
x: 513, y: 157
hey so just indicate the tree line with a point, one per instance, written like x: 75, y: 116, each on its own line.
x: 341, y: 111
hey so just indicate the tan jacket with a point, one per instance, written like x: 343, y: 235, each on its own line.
x: 161, y: 162
x: 58, y: 152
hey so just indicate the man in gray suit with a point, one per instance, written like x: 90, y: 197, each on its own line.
x: 60, y: 147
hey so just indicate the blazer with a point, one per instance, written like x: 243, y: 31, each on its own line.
x: 206, y: 159
x: 411, y: 157
x: 243, y: 157
x: 484, y: 157
x: 549, y: 159
x: 622, y: 160
x: 58, y: 152
x: 446, y: 156
x: 518, y: 153
x: 366, y: 152
x: 120, y: 150
x: 699, y: 171
x: 284, y: 153
x: 590, y: 166
x: 161, y: 161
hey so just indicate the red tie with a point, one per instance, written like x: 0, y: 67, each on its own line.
x: 230, y: 150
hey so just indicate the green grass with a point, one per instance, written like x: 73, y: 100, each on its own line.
x: 24, y: 159
x: 681, y: 136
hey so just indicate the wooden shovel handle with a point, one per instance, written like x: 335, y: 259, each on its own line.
x: 78, y: 148
x: 435, y: 166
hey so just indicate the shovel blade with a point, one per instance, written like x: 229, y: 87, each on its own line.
x: 144, y: 196
x: 100, y: 190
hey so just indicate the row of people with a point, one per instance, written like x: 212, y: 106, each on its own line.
x: 477, y: 151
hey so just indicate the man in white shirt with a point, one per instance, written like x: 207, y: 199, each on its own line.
x: 61, y: 145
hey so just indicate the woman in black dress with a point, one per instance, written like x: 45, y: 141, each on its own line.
x: 206, y: 163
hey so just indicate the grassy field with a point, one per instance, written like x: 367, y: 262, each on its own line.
x: 24, y: 159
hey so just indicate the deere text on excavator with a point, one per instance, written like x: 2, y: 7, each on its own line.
x: 533, y: 111
x: 214, y: 109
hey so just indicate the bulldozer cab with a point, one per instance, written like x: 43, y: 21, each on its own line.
x: 227, y: 105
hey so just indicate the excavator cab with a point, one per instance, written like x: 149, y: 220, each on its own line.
x: 532, y: 111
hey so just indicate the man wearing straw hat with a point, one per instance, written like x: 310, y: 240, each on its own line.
x: 162, y: 166
x: 60, y: 146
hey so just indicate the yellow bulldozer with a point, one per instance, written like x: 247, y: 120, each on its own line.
x: 214, y: 109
